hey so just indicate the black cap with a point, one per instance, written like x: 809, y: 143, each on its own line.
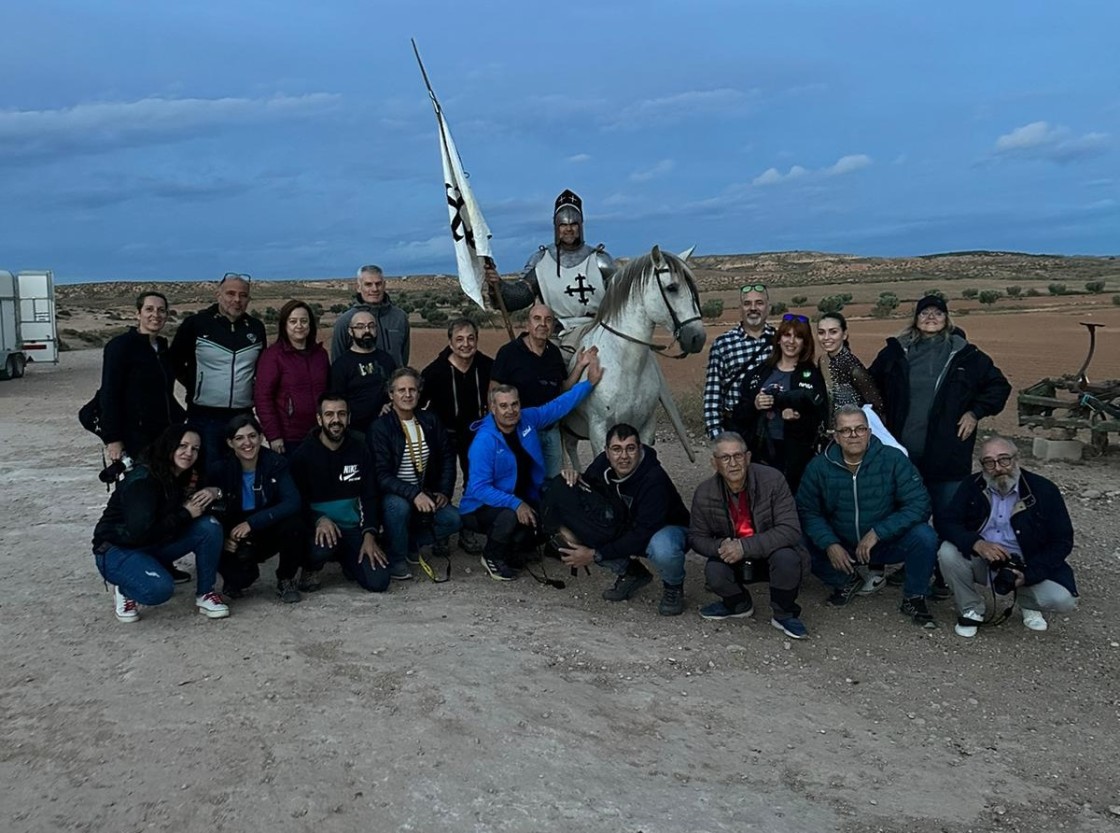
x: 931, y: 301
x: 568, y: 198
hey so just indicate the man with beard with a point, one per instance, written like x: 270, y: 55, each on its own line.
x: 734, y: 355
x: 392, y: 330
x: 1007, y: 519
x: 360, y: 374
x: 333, y: 470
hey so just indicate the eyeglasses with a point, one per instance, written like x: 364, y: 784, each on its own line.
x: 793, y: 316
x: 361, y: 328
x: 1003, y: 461
x: 724, y: 459
x: 931, y: 312
x: 853, y: 431
x: 753, y: 287
x: 236, y: 276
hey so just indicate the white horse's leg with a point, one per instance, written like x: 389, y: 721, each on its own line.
x: 571, y: 448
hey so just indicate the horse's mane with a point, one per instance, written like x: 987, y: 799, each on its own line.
x: 633, y: 276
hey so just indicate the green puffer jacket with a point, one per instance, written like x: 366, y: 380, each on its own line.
x: 837, y: 507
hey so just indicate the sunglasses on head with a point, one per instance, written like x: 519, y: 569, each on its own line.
x: 238, y: 276
x: 793, y: 316
x: 753, y: 287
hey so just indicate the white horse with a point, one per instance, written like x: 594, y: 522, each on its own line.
x: 657, y: 288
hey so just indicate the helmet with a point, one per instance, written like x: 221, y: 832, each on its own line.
x: 569, y: 210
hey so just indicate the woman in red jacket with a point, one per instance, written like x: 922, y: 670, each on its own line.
x: 292, y: 373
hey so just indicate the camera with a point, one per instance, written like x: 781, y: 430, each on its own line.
x: 1004, y: 577
x: 116, y: 470
x: 217, y: 508
x: 773, y: 390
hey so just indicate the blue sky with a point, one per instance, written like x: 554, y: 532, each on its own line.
x: 152, y: 141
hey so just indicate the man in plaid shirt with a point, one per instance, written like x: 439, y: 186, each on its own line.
x: 734, y: 355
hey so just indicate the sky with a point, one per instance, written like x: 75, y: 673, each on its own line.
x: 178, y: 141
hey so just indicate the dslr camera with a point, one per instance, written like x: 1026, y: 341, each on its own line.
x: 116, y: 470
x: 1003, y: 576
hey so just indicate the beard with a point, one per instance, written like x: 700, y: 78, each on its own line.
x: 1002, y: 483
x: 366, y: 342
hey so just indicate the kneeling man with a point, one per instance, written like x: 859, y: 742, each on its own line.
x: 657, y: 522
x: 744, y: 521
x: 1007, y: 519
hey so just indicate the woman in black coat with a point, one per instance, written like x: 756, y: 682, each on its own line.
x: 783, y: 403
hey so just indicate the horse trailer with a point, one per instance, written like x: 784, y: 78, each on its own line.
x: 28, y: 330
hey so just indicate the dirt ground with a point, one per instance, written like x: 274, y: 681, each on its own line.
x: 479, y: 706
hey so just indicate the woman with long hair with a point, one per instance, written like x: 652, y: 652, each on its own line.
x: 783, y: 402
x: 845, y: 377
x: 261, y: 513
x: 156, y: 515
x: 291, y: 374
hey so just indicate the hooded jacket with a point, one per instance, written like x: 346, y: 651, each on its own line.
x: 393, y: 331
x: 457, y: 398
x: 338, y: 484
x: 286, y: 393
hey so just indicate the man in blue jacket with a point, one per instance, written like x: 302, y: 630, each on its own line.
x: 863, y: 503
x: 507, y: 468
x: 1005, y: 518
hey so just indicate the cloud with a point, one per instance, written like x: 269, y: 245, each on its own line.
x: 682, y: 106
x: 1041, y: 140
x: 579, y: 157
x: 848, y: 164
x: 772, y: 176
x: 105, y: 126
x: 662, y: 167
x: 843, y: 165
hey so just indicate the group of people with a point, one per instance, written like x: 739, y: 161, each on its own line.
x: 282, y: 449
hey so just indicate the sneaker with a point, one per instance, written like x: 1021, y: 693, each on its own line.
x: 309, y: 580
x: 288, y: 591
x: 400, y: 571
x: 672, y: 600
x: 844, y: 594
x: 233, y: 592
x: 412, y: 559
x: 626, y: 585
x: 791, y: 626
x: 897, y: 578
x: 873, y: 581
x: 1034, y: 619
x: 471, y: 542
x: 442, y: 549
x: 179, y: 576
x: 498, y: 569
x: 939, y: 591
x: 211, y: 606
x: 968, y: 623
x: 915, y: 607
x: 718, y: 610
x: 126, y: 607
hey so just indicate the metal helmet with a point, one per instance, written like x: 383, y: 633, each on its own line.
x: 569, y: 210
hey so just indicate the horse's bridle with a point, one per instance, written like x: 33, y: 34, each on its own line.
x: 678, y: 325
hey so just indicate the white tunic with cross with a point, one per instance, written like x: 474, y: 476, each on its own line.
x: 575, y: 293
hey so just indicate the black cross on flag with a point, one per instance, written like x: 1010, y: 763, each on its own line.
x: 582, y: 289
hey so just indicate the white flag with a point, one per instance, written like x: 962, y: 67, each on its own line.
x: 469, y: 231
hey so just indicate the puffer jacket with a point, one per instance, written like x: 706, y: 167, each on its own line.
x: 142, y: 512
x: 837, y: 507
x: 286, y: 393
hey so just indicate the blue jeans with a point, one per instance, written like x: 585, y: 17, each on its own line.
x: 142, y: 573
x: 405, y: 532
x: 212, y: 431
x: 665, y: 551
x: 917, y: 548
x: 941, y: 493
x: 369, y: 577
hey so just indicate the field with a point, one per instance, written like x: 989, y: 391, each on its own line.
x: 478, y: 706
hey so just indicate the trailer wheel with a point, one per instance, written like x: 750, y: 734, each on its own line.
x: 7, y: 370
x: 18, y: 364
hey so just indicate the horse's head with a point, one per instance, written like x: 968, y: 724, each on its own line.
x: 680, y: 307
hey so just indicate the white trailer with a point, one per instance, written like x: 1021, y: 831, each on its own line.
x: 28, y: 329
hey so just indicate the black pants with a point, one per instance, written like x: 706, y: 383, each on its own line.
x: 461, y: 442
x: 785, y: 569
x: 505, y: 535
x: 240, y: 569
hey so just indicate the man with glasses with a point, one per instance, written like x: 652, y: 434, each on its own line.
x: 862, y: 505
x: 734, y: 355
x: 392, y: 333
x: 1007, y: 519
x: 214, y: 355
x: 744, y: 521
x: 361, y: 374
x: 657, y: 526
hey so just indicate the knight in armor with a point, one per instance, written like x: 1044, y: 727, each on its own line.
x: 569, y: 276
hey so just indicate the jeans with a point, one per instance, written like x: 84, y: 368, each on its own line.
x: 961, y: 575
x: 553, y: 449
x: 285, y: 537
x: 142, y: 573
x: 785, y: 569
x: 405, y: 530
x: 917, y: 548
x: 370, y: 577
x: 212, y: 431
x: 665, y: 551
x: 941, y: 493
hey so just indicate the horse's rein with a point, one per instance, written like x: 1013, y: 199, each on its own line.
x: 678, y: 325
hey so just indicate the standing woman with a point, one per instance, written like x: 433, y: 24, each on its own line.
x: 137, y: 398
x: 783, y: 402
x: 936, y: 387
x: 155, y: 516
x: 845, y: 377
x: 261, y: 514
x: 291, y: 375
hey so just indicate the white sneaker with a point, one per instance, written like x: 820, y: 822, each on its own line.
x: 126, y: 607
x: 211, y: 606
x: 1034, y: 619
x: 964, y: 629
x: 872, y: 581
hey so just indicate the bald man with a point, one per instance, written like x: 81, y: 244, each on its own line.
x: 1007, y: 526
x: 535, y: 366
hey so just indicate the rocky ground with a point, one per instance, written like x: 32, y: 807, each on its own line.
x: 515, y: 707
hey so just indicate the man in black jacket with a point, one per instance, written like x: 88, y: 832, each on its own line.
x: 360, y: 374
x: 1007, y: 519
x: 215, y: 354
x: 415, y: 467
x: 333, y: 471
x: 658, y: 521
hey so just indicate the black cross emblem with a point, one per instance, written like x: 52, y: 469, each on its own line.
x: 582, y: 289
x: 459, y: 228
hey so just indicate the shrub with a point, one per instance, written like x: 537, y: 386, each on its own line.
x: 887, y: 303
x: 1057, y: 288
x: 831, y: 303
x: 970, y: 293
x: 712, y: 309
x: 1033, y: 293
x: 779, y: 307
x: 938, y: 294
x: 1116, y: 300
x: 799, y: 300
x: 1095, y: 287
x: 1014, y: 291
x: 339, y: 308
x: 990, y: 296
